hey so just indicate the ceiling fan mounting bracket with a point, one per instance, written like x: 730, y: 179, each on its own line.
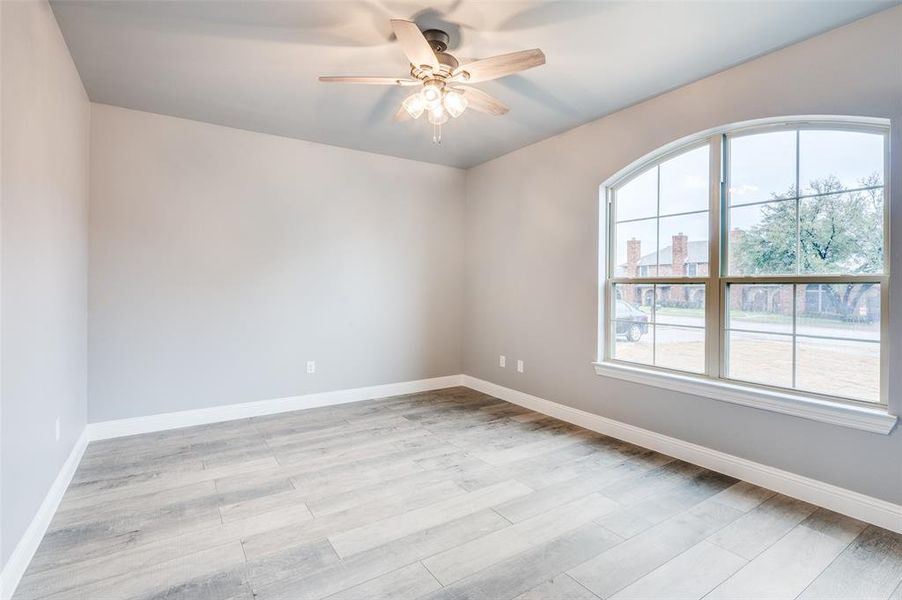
x: 437, y: 38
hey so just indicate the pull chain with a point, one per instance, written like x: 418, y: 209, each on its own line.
x: 437, y: 133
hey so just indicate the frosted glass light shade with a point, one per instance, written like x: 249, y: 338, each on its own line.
x: 455, y: 104
x: 437, y: 115
x: 432, y: 96
x: 414, y: 105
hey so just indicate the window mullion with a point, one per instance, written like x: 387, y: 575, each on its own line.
x: 884, y: 336
x: 798, y: 213
x: 804, y: 278
x: 654, y: 287
x: 795, y: 321
x: 608, y: 289
x: 712, y: 287
x: 658, y: 226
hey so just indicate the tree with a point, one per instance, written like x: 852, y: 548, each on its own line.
x: 838, y: 231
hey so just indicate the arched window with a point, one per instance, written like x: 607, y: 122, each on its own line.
x: 754, y: 255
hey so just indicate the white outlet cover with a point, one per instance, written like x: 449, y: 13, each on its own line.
x: 519, y: 366
x: 311, y: 366
x: 57, y: 429
x: 502, y: 360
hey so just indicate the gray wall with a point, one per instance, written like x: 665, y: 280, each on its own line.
x: 45, y: 115
x: 222, y: 260
x: 531, y: 258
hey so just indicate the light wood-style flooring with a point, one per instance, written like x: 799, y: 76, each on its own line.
x: 441, y: 495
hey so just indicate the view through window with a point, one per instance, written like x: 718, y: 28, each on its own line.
x: 756, y: 256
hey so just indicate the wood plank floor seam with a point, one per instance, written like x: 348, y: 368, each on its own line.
x: 425, y: 566
x: 725, y: 549
x: 502, y: 516
x: 579, y: 584
x: 445, y: 495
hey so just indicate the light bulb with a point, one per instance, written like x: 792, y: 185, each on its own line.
x: 432, y: 95
x: 414, y: 105
x: 455, y: 103
x: 437, y: 115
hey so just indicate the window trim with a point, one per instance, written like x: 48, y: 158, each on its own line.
x: 869, y: 416
x: 873, y: 419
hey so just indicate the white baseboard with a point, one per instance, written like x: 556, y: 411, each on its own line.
x: 217, y: 414
x: 853, y: 504
x: 31, y: 539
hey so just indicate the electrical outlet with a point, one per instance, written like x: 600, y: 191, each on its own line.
x: 57, y: 429
x: 519, y: 366
x: 502, y: 361
x: 311, y: 366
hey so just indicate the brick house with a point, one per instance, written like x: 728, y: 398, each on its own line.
x: 683, y: 258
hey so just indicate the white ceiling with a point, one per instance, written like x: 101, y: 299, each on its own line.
x: 253, y: 64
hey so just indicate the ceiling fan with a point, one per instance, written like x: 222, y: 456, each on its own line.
x: 443, y: 82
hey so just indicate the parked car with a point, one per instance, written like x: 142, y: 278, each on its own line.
x: 631, y: 322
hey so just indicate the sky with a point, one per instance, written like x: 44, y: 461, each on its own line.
x: 760, y: 165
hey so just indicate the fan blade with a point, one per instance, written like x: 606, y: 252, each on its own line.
x: 499, y: 66
x: 414, y: 45
x: 372, y: 80
x: 479, y: 100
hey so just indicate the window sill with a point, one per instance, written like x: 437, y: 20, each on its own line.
x: 875, y: 420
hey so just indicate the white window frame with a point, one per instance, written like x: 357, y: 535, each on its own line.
x: 869, y: 416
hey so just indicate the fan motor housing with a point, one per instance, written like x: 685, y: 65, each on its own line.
x: 446, y: 60
x: 437, y: 38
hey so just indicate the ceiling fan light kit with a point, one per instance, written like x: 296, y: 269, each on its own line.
x: 414, y: 105
x: 455, y: 103
x: 445, y: 91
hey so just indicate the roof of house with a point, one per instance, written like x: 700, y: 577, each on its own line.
x: 698, y: 253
